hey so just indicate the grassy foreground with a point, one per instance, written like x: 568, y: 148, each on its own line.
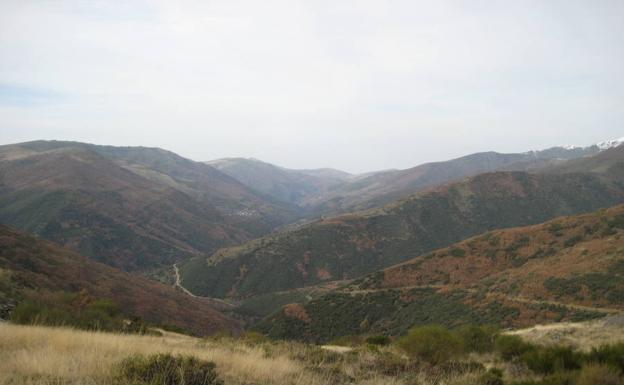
x: 45, y: 355
x: 427, y: 355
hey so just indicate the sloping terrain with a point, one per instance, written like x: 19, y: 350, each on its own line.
x: 129, y: 207
x: 571, y: 268
x: 328, y: 191
x: 27, y: 262
x: 352, y: 245
x: 285, y: 185
x: 384, y: 187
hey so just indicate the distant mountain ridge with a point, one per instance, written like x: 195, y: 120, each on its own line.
x: 141, y: 208
x: 286, y: 185
x: 384, y: 187
x: 340, y: 192
x: 347, y: 246
x: 130, y: 207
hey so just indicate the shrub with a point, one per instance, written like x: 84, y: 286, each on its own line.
x: 596, y: 374
x: 165, y: 369
x: 478, y: 339
x: 555, y: 229
x: 457, y: 252
x: 254, y: 338
x: 547, y: 360
x: 612, y: 355
x: 617, y: 222
x: 433, y: 344
x: 561, y: 378
x: 390, y: 364
x: 26, y: 313
x: 510, y: 347
x: 378, y: 340
x: 493, y: 376
x: 71, y: 309
x: 573, y: 241
x: 458, y: 368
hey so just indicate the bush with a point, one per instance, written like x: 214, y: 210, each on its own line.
x: 478, y: 339
x: 458, y: 368
x: 561, y: 378
x: 457, y: 252
x: 433, y: 344
x: 254, y: 338
x: 510, y: 347
x: 165, y: 369
x: 378, y: 340
x: 493, y: 376
x: 547, y: 360
x: 391, y: 364
x: 78, y: 310
x: 596, y: 374
x: 612, y: 355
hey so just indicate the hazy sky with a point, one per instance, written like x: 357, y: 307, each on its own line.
x: 351, y: 84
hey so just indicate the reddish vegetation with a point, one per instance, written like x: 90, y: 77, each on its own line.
x: 323, y: 274
x: 295, y: 310
x: 40, y: 264
x: 133, y: 208
x: 517, y: 262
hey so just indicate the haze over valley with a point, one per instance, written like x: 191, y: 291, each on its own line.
x: 311, y: 193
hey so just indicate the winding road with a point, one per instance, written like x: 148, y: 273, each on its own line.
x: 178, y: 284
x: 178, y: 281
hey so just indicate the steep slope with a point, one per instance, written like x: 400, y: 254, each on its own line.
x: 329, y: 192
x: 570, y: 268
x: 606, y: 160
x: 384, y: 187
x: 32, y: 263
x: 285, y: 185
x: 351, y: 245
x: 134, y: 208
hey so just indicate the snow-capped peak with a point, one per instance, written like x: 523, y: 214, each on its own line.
x: 607, y: 144
x: 570, y: 146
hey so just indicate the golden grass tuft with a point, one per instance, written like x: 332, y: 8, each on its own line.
x: 37, y: 355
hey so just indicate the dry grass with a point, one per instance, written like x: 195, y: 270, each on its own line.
x: 41, y: 355
x: 580, y: 335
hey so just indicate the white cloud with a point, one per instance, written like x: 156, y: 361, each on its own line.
x: 355, y: 84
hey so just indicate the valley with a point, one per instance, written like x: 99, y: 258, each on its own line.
x: 276, y: 263
x: 348, y: 246
x: 311, y: 192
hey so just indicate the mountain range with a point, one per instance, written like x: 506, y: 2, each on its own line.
x: 286, y: 185
x: 388, y: 245
x: 131, y: 207
x: 568, y: 269
x: 347, y: 246
x: 334, y: 191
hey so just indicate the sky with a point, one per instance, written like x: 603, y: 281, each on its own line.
x: 358, y: 85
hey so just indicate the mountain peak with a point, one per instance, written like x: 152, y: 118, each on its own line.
x: 604, y: 145
x: 607, y: 144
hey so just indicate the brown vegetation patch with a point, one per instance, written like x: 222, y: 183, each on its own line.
x: 323, y: 274
x: 47, y: 266
x: 295, y: 310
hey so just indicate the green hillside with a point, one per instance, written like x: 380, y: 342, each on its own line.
x: 353, y: 245
x: 569, y: 269
x: 131, y: 207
